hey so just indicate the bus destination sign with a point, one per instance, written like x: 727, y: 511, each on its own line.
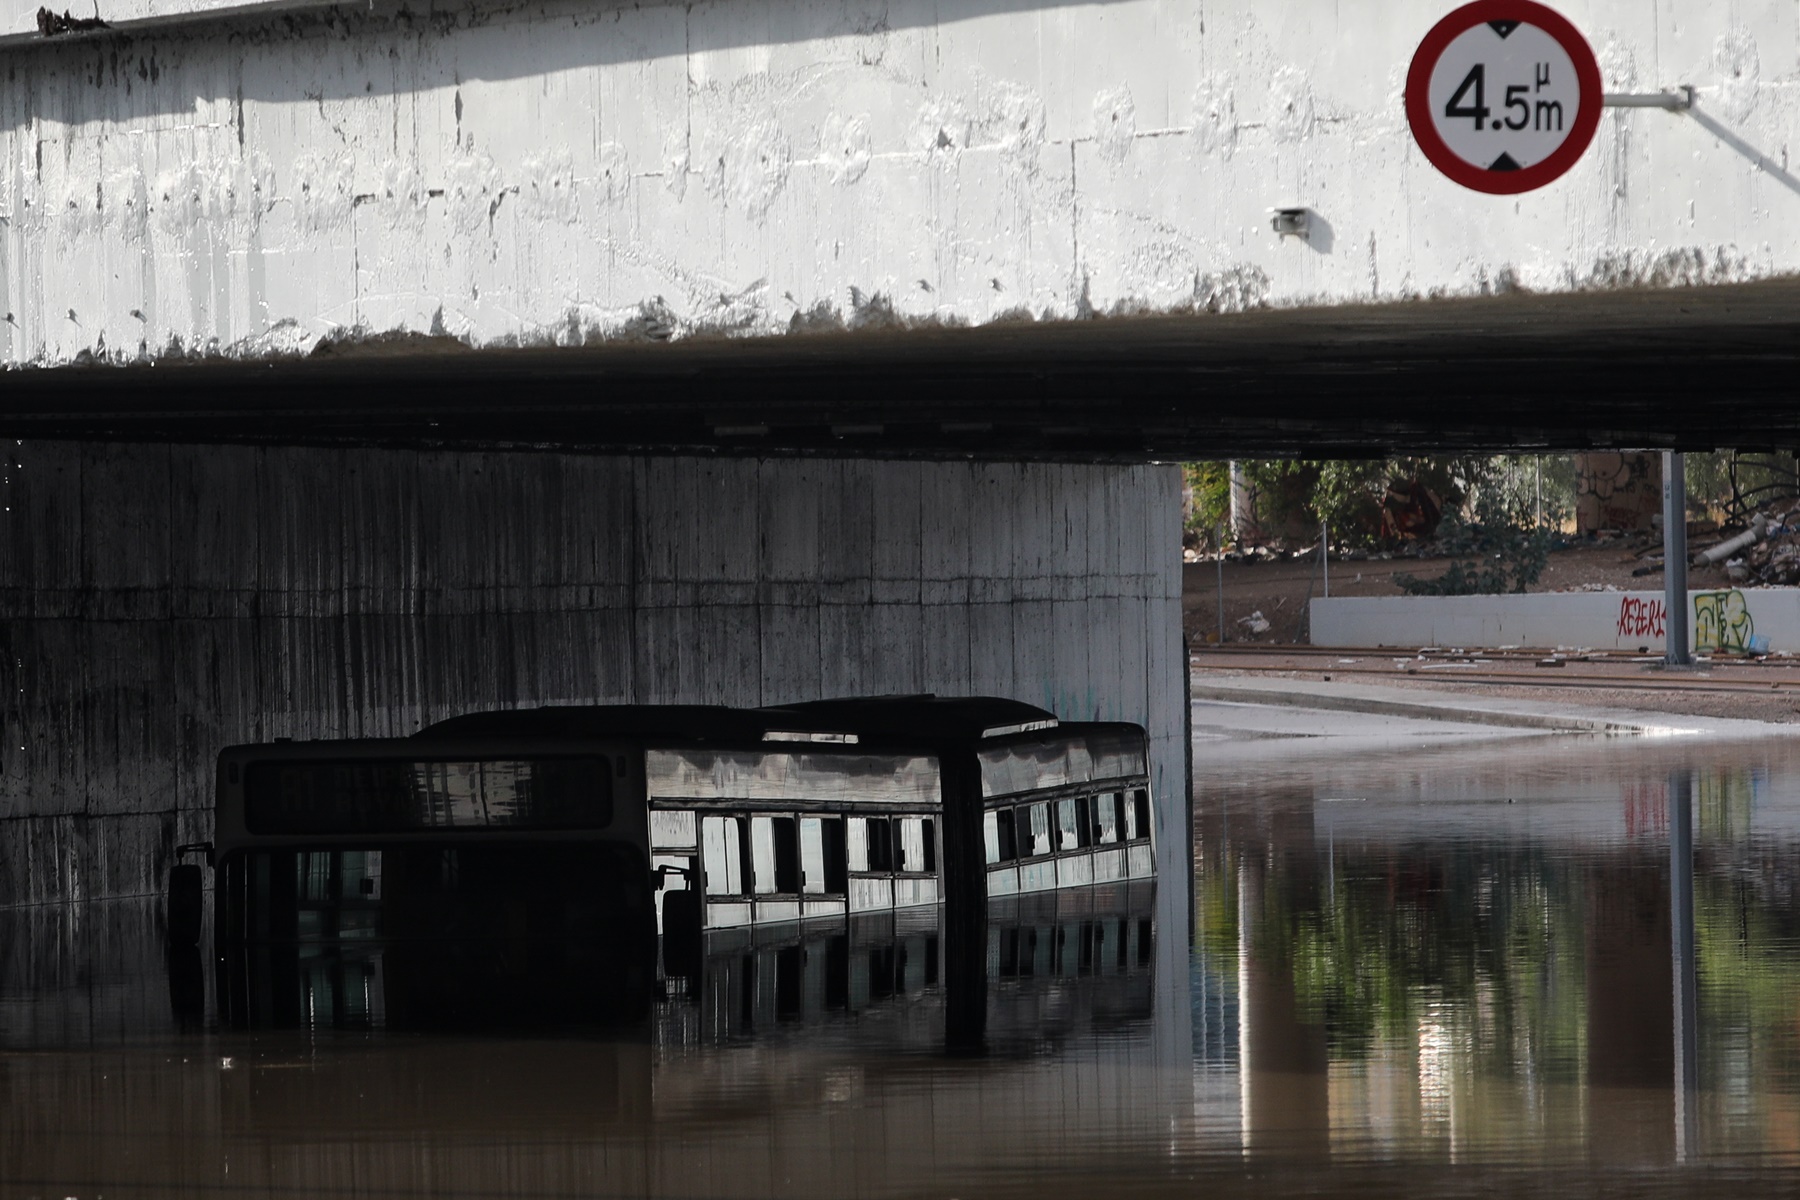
x: 1503, y: 95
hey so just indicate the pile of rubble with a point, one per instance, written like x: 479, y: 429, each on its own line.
x: 1767, y: 553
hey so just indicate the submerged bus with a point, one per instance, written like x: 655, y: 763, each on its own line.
x: 607, y: 828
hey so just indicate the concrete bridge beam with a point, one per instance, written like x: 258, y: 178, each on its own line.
x: 558, y: 171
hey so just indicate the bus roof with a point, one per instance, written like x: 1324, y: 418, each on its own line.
x: 871, y: 719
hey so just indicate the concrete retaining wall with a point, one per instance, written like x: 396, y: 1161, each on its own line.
x: 157, y: 603
x: 1728, y: 619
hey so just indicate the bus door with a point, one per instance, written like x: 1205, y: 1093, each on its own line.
x: 675, y: 872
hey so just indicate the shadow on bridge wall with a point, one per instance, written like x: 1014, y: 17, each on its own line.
x: 1764, y: 163
x: 297, y: 55
x: 163, y: 601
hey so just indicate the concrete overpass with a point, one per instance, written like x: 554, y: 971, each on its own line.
x: 247, y: 179
x: 1690, y: 367
x: 519, y: 312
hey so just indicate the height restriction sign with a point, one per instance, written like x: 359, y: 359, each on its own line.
x: 1503, y: 95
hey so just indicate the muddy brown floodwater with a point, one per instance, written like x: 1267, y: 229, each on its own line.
x: 1430, y: 970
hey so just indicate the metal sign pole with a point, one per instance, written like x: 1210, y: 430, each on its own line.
x: 1675, y: 598
x: 1325, y: 556
x: 1221, y: 589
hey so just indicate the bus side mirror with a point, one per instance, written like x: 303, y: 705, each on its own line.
x: 186, y: 894
x: 683, y: 914
x: 184, y: 904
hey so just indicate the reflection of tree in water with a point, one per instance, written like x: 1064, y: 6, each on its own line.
x: 1747, y: 942
x: 1492, y: 935
x: 1544, y: 961
x: 1747, y: 934
x: 1724, y: 801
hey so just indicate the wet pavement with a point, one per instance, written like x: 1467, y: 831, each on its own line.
x: 1427, y: 961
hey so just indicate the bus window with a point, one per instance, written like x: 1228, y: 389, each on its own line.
x: 774, y: 856
x: 1137, y: 815
x: 1106, y: 818
x: 930, y: 841
x: 812, y: 856
x: 912, y: 845
x: 857, y: 829
x: 1071, y: 824
x: 723, y: 856
x: 671, y: 829
x: 382, y: 796
x: 881, y: 844
x: 787, y: 855
x: 466, y: 892
x: 837, y: 876
x: 1033, y: 823
x: 762, y: 855
x: 997, y: 831
x: 822, y: 856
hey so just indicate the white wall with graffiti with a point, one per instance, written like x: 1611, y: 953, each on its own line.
x: 1732, y: 620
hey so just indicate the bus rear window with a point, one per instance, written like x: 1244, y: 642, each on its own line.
x: 383, y: 796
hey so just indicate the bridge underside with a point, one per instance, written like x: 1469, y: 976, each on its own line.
x: 1690, y: 368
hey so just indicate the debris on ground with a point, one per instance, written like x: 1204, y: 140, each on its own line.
x: 1767, y: 553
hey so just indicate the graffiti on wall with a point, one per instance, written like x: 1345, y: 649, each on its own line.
x: 1617, y: 491
x: 1641, y: 618
x: 1722, y: 621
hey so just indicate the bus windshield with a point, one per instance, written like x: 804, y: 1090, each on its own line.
x: 387, y: 796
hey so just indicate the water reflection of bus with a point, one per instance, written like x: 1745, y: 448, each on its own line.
x: 575, y: 837
x: 1054, y: 965
x: 1050, y: 965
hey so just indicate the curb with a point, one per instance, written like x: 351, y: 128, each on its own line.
x: 1561, y: 723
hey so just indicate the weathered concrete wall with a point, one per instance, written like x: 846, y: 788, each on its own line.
x: 559, y: 170
x: 1728, y: 619
x: 1617, y: 490
x: 157, y: 603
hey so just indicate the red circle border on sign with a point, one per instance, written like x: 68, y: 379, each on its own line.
x: 1418, y: 99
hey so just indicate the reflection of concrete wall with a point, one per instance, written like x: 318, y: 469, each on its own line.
x: 160, y: 602
x: 1615, y: 490
x: 1283, y: 1059
x: 1630, y: 1017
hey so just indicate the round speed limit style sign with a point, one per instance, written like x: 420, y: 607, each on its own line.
x: 1503, y: 95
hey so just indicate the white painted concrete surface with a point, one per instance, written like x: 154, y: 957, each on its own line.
x: 557, y: 171
x: 1722, y: 619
